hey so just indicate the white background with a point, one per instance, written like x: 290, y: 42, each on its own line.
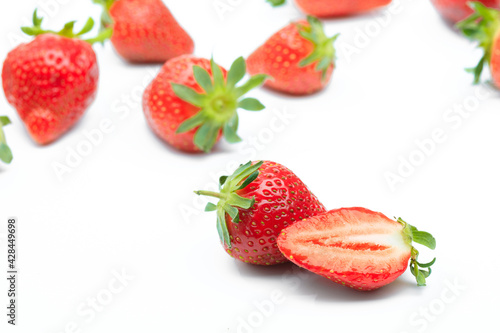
x: 129, y: 204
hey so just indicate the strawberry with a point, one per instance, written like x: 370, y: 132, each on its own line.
x: 457, y: 10
x: 52, y: 80
x: 193, y: 101
x: 356, y: 247
x: 300, y: 58
x: 483, y: 26
x: 144, y: 30
x: 333, y: 8
x: 255, y: 203
x: 5, y: 152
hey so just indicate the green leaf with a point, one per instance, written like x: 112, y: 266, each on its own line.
x: 429, y: 264
x: 29, y: 31
x: 230, y: 128
x: 4, y: 120
x: 37, y: 21
x: 232, y: 211
x: 210, y: 207
x: 254, y: 82
x: 206, y: 136
x: 217, y: 74
x: 103, y: 35
x: 236, y: 72
x: 251, y: 104
x: 203, y: 79
x: 276, y: 3
x: 222, y: 228
x: 5, y: 153
x: 249, y: 179
x: 191, y: 123
x: 239, y: 201
x: 87, y: 27
x: 424, y: 238
x: 222, y: 181
x: 188, y: 94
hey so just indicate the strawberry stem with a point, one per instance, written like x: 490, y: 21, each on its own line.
x: 5, y: 152
x: 411, y: 235
x: 481, y: 26
x: 229, y: 201
x: 218, y: 103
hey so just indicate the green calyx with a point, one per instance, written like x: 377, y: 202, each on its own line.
x: 481, y: 26
x: 276, y: 3
x: 106, y: 19
x: 5, y: 152
x: 219, y: 102
x: 413, y: 235
x: 67, y: 30
x: 229, y: 201
x: 324, y: 52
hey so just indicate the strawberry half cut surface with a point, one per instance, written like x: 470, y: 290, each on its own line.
x: 356, y: 247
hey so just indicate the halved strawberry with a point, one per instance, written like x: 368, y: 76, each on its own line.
x: 356, y: 247
x: 483, y: 26
x: 5, y: 152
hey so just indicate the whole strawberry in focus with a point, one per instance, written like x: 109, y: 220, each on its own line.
x: 52, y: 80
x: 192, y: 102
x: 5, y: 152
x: 483, y: 26
x: 457, y: 10
x: 144, y: 30
x: 299, y: 58
x: 255, y: 203
x: 356, y: 247
x: 334, y: 8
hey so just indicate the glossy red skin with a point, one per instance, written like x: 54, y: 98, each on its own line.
x: 280, y: 56
x: 457, y: 10
x: 50, y: 81
x: 146, y: 31
x: 281, y: 199
x: 495, y: 61
x: 165, y: 111
x: 333, y: 8
x: 359, y: 280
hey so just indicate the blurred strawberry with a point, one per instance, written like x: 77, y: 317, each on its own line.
x: 144, y: 30
x: 52, y: 80
x: 299, y: 58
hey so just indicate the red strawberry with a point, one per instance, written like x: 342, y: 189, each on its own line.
x: 5, y: 152
x: 332, y: 8
x: 191, y: 102
x: 356, y: 247
x: 300, y: 58
x: 144, y: 30
x: 483, y: 26
x: 52, y: 80
x: 255, y: 203
x: 457, y: 10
